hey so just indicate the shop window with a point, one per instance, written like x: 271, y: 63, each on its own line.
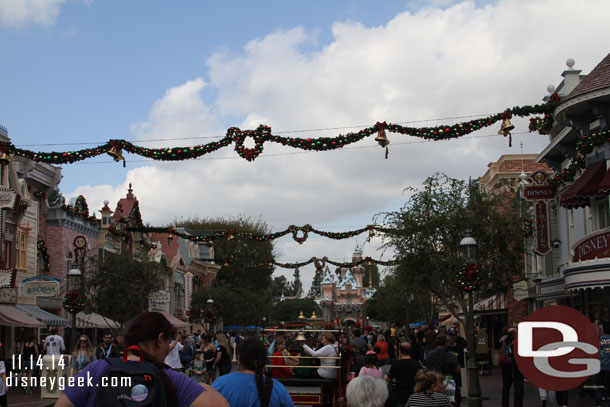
x: 21, y: 243
x: 589, y: 226
x: 602, y: 213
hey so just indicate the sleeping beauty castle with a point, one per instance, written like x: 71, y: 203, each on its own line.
x: 344, y: 300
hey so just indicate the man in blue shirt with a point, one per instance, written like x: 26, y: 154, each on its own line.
x: 602, y: 379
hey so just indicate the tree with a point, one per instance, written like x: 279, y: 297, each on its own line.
x: 246, y: 291
x: 296, y: 284
x: 429, y: 228
x: 119, y: 288
x: 279, y: 285
x: 315, y: 291
x: 374, y: 274
x: 290, y: 309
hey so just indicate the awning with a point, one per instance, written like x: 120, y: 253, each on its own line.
x: 95, y: 321
x: 603, y: 189
x: 585, y: 187
x: 49, y: 303
x: 10, y: 315
x: 43, y: 316
x: 176, y: 323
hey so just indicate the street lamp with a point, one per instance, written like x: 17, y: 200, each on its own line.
x: 209, y: 313
x: 74, y: 285
x: 468, y: 252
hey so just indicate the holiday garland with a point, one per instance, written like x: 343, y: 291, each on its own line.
x: 469, y: 277
x: 527, y: 227
x: 272, y: 263
x: 80, y: 209
x: 231, y: 234
x: 44, y: 252
x: 263, y: 134
x: 583, y: 147
x: 74, y: 302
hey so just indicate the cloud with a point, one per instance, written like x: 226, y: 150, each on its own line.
x: 18, y: 13
x: 430, y: 64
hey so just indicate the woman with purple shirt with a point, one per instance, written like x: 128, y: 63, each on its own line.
x: 152, y: 333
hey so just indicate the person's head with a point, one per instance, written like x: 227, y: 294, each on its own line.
x: 152, y: 333
x: 425, y: 381
x: 371, y: 359
x: 451, y: 335
x: 222, y: 340
x: 83, y: 343
x: 439, y: 386
x: 380, y: 338
x: 52, y: 331
x: 366, y: 391
x: 198, y: 355
x: 440, y: 341
x: 252, y: 355
x: 357, y: 332
x: 107, y: 338
x: 405, y: 349
x: 328, y: 338
x: 280, y: 343
x: 120, y: 338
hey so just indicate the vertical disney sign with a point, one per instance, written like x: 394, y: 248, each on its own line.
x: 541, y: 194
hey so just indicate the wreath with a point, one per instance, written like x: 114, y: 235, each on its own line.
x: 74, y: 302
x: 296, y: 229
x: 469, y: 277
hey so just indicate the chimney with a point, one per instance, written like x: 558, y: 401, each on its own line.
x: 571, y: 78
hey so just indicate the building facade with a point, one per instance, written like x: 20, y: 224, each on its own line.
x: 579, y: 152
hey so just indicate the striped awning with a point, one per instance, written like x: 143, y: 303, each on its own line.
x: 95, y: 321
x: 43, y: 316
x: 10, y: 315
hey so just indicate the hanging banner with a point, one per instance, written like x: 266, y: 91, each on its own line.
x: 542, y: 229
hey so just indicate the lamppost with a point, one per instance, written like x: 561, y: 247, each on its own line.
x: 468, y: 252
x: 209, y: 314
x: 74, y: 287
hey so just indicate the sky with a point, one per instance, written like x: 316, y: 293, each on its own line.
x: 76, y: 73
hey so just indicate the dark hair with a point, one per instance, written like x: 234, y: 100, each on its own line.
x: 252, y: 355
x: 371, y: 359
x: 145, y: 328
x: 106, y: 333
x: 357, y: 332
x: 405, y: 348
x: 425, y: 381
x: 441, y: 340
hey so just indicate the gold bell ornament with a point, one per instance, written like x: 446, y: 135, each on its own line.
x: 301, y: 316
x: 301, y: 336
x: 381, y: 138
x: 117, y: 154
x: 506, y: 128
x: 5, y: 158
x: 313, y: 315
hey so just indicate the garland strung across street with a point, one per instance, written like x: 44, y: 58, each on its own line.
x: 232, y: 234
x: 315, y: 260
x: 263, y: 134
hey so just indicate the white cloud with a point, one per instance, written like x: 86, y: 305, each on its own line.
x: 18, y: 13
x: 435, y: 63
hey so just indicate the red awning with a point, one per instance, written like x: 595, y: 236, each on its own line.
x: 603, y: 189
x: 585, y: 187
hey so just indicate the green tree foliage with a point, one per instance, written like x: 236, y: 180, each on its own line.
x: 234, y: 306
x: 279, y: 285
x: 289, y: 310
x: 120, y: 287
x: 315, y: 291
x: 238, y: 282
x: 296, y: 284
x: 430, y: 226
x: 398, y: 300
x: 374, y: 275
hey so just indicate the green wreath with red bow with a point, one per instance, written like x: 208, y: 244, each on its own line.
x: 74, y: 302
x: 469, y: 277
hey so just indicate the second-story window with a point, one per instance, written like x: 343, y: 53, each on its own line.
x: 21, y: 246
x: 601, y: 210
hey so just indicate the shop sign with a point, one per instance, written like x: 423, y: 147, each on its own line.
x: 158, y: 300
x: 596, y: 246
x: 8, y: 295
x: 520, y: 290
x: 40, y: 286
x: 7, y: 198
x: 538, y: 192
x: 542, y: 229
